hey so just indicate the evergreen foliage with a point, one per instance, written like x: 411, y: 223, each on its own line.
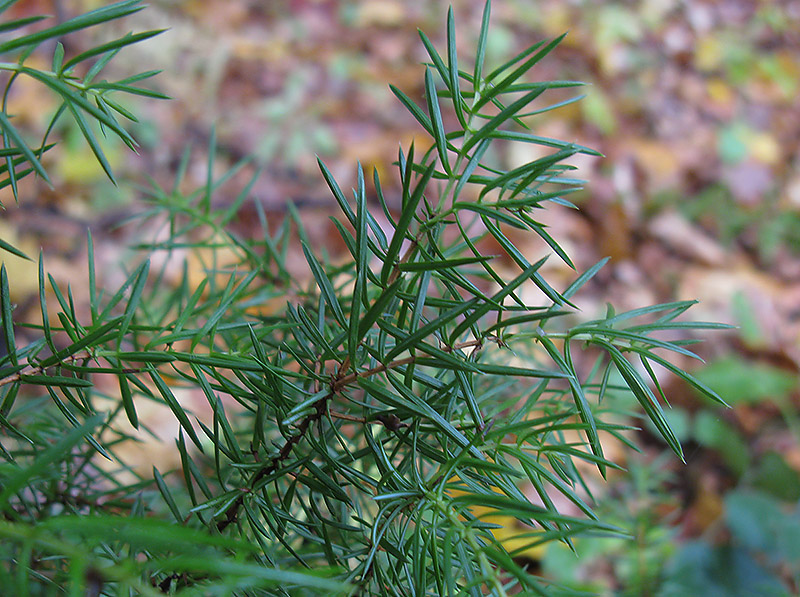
x: 361, y: 435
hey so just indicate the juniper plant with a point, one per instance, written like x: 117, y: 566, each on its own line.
x: 85, y: 98
x: 364, y: 436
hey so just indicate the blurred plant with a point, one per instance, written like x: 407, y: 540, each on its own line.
x: 639, y: 502
x: 751, y: 548
x: 363, y: 435
x: 760, y: 559
x: 288, y: 137
x: 74, y: 80
x: 765, y: 228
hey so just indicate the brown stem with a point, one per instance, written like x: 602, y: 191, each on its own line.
x: 405, y: 257
x: 34, y: 369
x: 338, y: 384
x: 344, y: 417
x: 320, y: 407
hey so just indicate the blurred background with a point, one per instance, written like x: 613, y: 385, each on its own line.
x: 693, y: 103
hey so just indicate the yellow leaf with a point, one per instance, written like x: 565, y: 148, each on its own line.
x: 719, y: 92
x: 23, y: 275
x: 80, y: 166
x: 659, y: 161
x: 764, y: 148
x: 512, y: 533
x: 708, y: 54
x: 556, y: 19
x: 598, y: 110
x: 382, y: 13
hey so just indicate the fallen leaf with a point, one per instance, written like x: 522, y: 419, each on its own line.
x: 381, y: 13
